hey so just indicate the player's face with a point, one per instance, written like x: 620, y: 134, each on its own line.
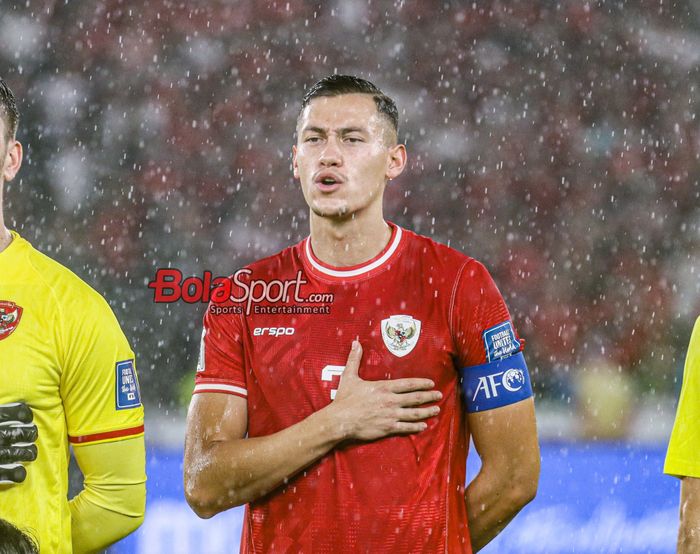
x: 346, y: 150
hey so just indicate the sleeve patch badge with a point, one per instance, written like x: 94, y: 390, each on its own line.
x: 500, y: 341
x: 128, y: 395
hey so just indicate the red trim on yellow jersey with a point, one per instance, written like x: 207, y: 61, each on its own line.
x: 108, y: 435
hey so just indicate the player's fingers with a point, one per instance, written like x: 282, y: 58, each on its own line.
x: 18, y: 453
x: 408, y: 385
x: 352, y: 366
x: 410, y: 399
x: 12, y: 473
x: 16, y: 411
x: 408, y: 428
x: 14, y: 432
x: 418, y: 414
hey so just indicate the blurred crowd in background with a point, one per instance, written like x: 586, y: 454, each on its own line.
x: 557, y: 142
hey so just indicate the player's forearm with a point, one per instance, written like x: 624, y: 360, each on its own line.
x: 688, y: 538
x: 113, y: 501
x: 223, y: 474
x: 94, y: 526
x: 689, y: 529
x: 493, y: 500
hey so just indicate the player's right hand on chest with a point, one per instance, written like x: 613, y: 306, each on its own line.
x: 18, y: 434
x: 370, y: 410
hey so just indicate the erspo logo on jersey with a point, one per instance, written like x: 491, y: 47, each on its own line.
x: 273, y: 331
x: 247, y: 293
x: 10, y: 314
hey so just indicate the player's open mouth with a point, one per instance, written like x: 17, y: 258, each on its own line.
x: 328, y: 181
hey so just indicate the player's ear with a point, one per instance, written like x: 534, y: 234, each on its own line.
x: 12, y: 161
x: 396, y: 161
x: 295, y: 167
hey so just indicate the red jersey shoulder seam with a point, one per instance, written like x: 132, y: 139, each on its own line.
x: 453, y: 298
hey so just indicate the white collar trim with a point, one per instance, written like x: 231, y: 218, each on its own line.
x: 359, y: 270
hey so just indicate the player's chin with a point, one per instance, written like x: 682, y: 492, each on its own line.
x: 334, y: 209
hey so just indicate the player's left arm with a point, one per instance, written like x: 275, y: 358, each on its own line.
x: 499, y: 404
x: 689, y: 529
x: 683, y: 456
x: 104, y: 416
x: 112, y: 502
x: 506, y: 440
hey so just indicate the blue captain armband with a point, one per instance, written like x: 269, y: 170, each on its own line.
x: 496, y: 384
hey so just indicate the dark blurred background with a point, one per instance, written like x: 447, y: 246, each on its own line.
x: 557, y: 142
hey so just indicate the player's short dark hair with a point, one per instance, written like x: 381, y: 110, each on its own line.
x: 8, y: 110
x: 335, y: 85
x: 14, y: 541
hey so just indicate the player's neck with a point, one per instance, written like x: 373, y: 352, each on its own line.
x: 5, y: 236
x: 343, y: 243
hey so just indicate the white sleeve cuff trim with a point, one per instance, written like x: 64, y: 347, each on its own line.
x: 220, y: 387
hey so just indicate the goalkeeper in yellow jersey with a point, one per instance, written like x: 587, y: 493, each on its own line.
x: 683, y: 456
x: 68, y: 378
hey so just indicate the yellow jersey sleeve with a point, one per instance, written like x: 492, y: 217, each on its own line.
x: 113, y: 502
x: 683, y: 456
x: 99, y: 385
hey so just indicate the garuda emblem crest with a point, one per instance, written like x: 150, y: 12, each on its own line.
x: 400, y: 334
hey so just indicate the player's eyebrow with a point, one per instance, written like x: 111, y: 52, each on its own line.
x: 346, y: 130
x: 313, y: 129
x: 341, y: 131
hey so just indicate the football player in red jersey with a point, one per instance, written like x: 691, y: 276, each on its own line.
x: 366, y: 451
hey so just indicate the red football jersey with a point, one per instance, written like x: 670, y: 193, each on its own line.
x: 419, y: 309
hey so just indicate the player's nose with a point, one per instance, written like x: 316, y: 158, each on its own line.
x: 331, y: 155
